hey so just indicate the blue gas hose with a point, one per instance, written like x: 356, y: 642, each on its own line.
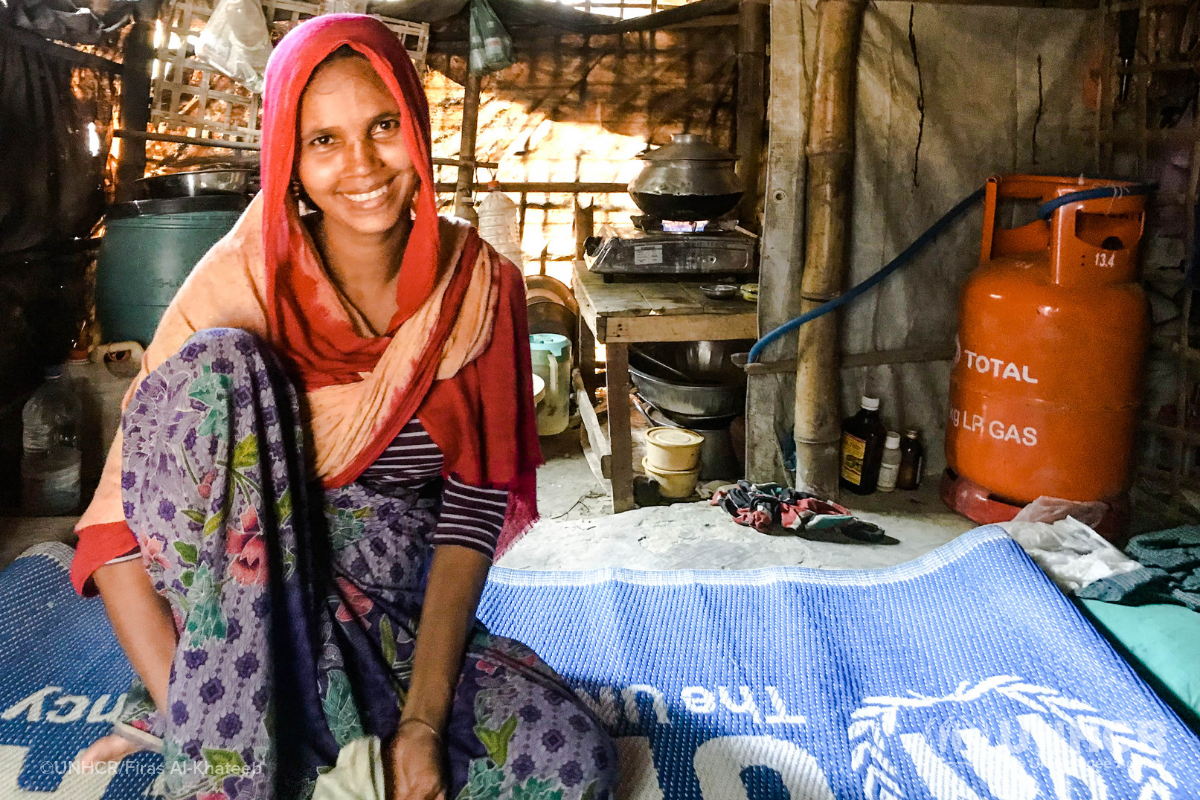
x: 925, y: 238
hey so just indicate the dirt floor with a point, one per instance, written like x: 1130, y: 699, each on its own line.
x: 18, y: 534
x: 578, y: 530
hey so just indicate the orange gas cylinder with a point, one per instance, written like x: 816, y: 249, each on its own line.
x: 1052, y: 332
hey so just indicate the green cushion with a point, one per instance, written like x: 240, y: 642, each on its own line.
x: 1164, y: 640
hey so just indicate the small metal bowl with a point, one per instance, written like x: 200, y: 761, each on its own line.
x: 720, y: 291
x: 197, y: 183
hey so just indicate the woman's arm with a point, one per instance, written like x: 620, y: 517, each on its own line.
x: 413, y: 761
x: 456, y: 581
x: 143, y: 623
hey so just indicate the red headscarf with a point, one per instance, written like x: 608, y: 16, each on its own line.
x: 302, y: 309
x: 482, y: 418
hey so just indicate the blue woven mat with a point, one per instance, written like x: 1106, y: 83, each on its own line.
x: 62, y: 675
x: 964, y: 675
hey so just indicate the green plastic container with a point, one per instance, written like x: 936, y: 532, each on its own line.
x: 551, y: 357
x: 149, y: 249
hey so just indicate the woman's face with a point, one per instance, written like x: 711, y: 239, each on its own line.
x: 352, y: 160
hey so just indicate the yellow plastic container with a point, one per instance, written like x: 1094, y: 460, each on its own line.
x: 672, y: 484
x: 673, y: 449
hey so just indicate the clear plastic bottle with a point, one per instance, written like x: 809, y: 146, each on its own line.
x: 499, y: 225
x: 100, y: 384
x: 889, y: 466
x: 50, y: 460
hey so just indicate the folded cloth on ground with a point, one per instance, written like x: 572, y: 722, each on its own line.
x: 358, y: 774
x: 762, y: 506
x: 1169, y: 573
x: 1069, y: 552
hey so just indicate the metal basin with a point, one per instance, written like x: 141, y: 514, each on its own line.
x: 700, y: 401
x: 702, y: 361
x: 717, y: 388
x: 546, y: 316
x: 199, y: 182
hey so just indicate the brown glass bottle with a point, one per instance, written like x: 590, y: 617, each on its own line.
x: 863, y: 437
x: 912, y: 461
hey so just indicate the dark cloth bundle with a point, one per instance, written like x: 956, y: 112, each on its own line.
x: 762, y: 506
x: 1170, y: 571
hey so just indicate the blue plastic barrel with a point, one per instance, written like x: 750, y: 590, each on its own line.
x: 149, y: 249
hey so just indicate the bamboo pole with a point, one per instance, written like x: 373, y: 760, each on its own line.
x: 62, y: 52
x: 585, y: 223
x: 463, y: 207
x: 135, y: 96
x: 751, y: 104
x: 548, y: 187
x: 830, y: 174
x: 220, y: 144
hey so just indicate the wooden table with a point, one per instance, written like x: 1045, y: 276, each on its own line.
x: 621, y: 313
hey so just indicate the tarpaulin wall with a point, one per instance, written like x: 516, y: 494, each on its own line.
x: 1003, y: 90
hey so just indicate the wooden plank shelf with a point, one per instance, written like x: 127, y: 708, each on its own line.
x: 623, y: 312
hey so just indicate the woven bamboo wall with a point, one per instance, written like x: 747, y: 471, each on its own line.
x: 579, y: 109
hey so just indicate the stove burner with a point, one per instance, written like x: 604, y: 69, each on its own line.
x: 680, y: 226
x: 649, y: 224
x: 715, y: 248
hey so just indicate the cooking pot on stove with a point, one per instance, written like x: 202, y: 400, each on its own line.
x: 688, y: 179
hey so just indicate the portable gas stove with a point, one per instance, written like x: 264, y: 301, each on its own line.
x: 666, y: 247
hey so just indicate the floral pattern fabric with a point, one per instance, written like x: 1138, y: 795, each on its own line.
x: 297, y: 610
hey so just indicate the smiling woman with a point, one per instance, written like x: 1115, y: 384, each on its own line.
x: 368, y: 343
x: 354, y: 166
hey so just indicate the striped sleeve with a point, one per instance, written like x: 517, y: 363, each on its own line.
x: 471, y: 517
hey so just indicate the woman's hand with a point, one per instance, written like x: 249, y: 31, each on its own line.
x: 412, y: 764
x: 415, y: 753
x: 456, y: 579
x: 109, y: 748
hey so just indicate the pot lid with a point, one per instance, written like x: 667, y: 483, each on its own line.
x: 688, y: 147
x: 555, y: 343
x: 673, y: 437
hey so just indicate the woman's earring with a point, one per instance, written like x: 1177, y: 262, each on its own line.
x: 296, y: 187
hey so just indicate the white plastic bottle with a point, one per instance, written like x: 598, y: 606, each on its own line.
x: 50, y: 459
x: 889, y: 467
x: 499, y: 225
x: 100, y: 387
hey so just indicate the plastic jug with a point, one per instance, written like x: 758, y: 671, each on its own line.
x: 101, y: 383
x: 551, y: 355
x: 50, y: 457
x: 498, y: 224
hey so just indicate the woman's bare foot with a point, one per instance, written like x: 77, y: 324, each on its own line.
x: 110, y: 748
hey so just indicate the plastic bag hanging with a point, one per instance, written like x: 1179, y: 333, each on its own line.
x: 491, y: 46
x: 236, y: 42
x: 344, y: 7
